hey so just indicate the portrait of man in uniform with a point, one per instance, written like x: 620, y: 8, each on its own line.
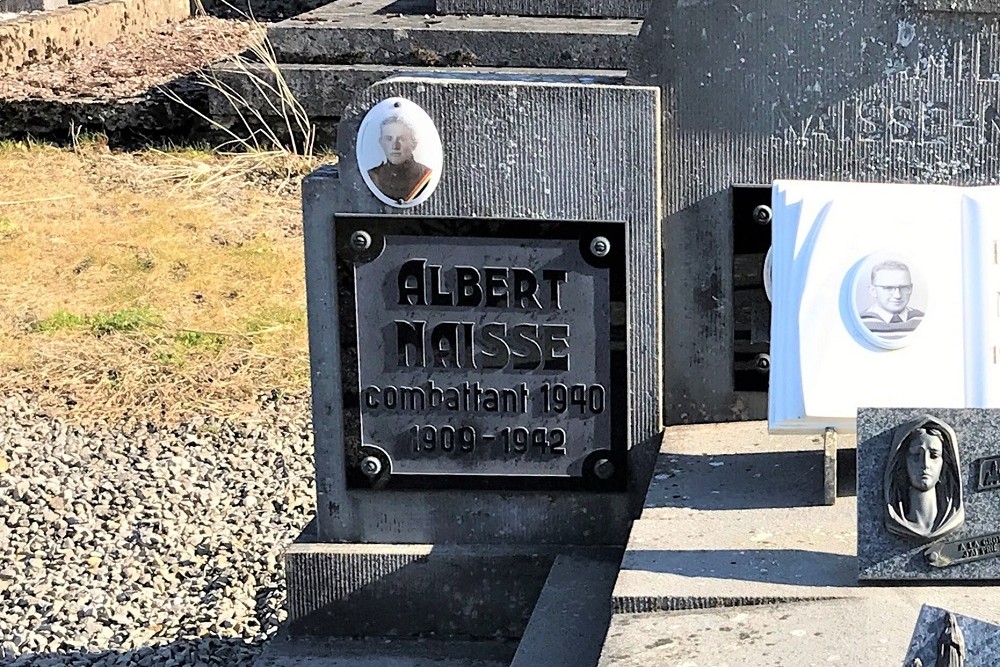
x: 400, y: 177
x: 890, y: 317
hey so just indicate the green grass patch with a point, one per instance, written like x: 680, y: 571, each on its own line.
x: 8, y: 229
x: 119, y: 321
x: 193, y: 340
x: 60, y: 320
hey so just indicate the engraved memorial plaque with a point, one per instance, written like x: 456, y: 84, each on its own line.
x: 484, y: 348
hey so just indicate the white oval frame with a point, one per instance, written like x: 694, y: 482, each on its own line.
x: 429, y: 151
x: 862, y: 274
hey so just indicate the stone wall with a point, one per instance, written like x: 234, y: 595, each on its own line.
x: 55, y: 33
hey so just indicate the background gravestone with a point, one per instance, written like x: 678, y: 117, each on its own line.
x: 810, y: 89
x: 884, y: 556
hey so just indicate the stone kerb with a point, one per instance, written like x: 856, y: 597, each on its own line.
x: 556, y: 150
x: 917, y: 104
x: 591, y: 8
x: 52, y: 34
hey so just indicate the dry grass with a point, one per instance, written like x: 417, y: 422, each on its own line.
x: 161, y: 283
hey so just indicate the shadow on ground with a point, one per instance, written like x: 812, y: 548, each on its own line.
x: 747, y: 481
x: 770, y: 566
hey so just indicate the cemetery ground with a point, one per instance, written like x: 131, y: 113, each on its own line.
x: 155, y: 447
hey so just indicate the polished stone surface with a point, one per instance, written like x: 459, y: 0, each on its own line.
x: 883, y: 556
x: 982, y: 639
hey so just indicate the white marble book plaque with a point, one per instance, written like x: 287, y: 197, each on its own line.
x: 883, y: 295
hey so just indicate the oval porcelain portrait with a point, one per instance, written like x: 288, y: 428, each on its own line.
x: 888, y: 300
x: 399, y: 153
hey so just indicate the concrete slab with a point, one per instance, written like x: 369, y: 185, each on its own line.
x: 786, y: 635
x: 737, y: 561
x: 312, y: 652
x: 734, y: 518
x: 567, y: 627
x: 370, y: 32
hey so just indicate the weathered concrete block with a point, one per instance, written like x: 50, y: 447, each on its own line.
x: 590, y: 8
x: 52, y: 34
x: 340, y: 34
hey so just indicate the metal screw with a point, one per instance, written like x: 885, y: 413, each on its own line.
x: 762, y: 214
x: 604, y: 469
x: 361, y: 240
x: 371, y: 466
x: 933, y: 557
x: 762, y: 362
x: 600, y: 246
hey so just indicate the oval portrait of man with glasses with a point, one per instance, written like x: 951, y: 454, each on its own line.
x: 890, y: 300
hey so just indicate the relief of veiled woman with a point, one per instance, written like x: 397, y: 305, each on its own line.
x: 923, y: 485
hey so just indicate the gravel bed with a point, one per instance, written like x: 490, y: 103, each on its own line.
x: 142, y: 544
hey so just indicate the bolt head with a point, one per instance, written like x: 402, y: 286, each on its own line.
x: 361, y: 240
x: 762, y: 214
x: 600, y: 246
x: 762, y: 362
x: 604, y: 469
x: 371, y: 466
x: 933, y: 557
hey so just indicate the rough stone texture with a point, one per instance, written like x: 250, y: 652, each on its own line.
x: 982, y: 639
x: 324, y: 91
x: 495, y: 166
x: 354, y: 590
x: 138, y: 543
x: 260, y: 10
x: 598, y: 8
x: 571, y: 616
x: 882, y: 555
x: 51, y: 34
x: 31, y: 5
x: 339, y: 33
x: 852, y: 90
x: 958, y: 6
x: 126, y: 123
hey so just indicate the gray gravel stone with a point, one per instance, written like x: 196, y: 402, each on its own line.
x: 148, y: 544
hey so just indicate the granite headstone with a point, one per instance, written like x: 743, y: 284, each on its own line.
x: 844, y: 90
x: 928, y: 504
x: 525, y: 182
x: 945, y: 639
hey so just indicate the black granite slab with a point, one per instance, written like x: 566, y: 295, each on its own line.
x: 884, y: 556
x: 979, y: 641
